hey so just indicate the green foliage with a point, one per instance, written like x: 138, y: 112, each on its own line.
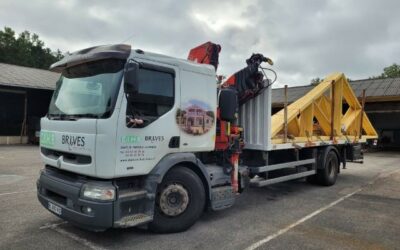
x: 389, y: 72
x: 392, y: 71
x: 26, y: 50
x: 316, y: 81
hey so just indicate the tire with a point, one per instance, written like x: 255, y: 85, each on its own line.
x: 328, y: 175
x: 180, y: 201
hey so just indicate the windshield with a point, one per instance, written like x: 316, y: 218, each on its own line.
x: 88, y: 90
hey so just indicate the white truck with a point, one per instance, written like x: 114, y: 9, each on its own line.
x: 136, y: 138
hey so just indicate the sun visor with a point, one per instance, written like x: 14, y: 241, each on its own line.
x: 117, y: 51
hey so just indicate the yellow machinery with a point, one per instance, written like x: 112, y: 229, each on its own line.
x: 319, y: 116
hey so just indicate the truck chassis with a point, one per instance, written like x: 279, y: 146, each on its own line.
x: 309, y: 138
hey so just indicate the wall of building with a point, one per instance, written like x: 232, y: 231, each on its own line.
x: 385, y: 116
x: 38, y: 105
x: 12, y: 112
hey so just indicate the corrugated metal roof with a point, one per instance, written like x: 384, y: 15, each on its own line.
x: 373, y: 88
x: 19, y: 76
x: 25, y: 77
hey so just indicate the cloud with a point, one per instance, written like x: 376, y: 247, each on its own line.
x: 306, y: 39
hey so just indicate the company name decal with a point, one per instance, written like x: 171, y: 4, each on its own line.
x: 130, y: 139
x: 72, y: 140
x: 154, y: 138
x: 136, y: 148
x: 47, y: 138
x: 134, y: 139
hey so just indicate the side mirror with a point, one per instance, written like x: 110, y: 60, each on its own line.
x: 228, y: 105
x: 131, y: 82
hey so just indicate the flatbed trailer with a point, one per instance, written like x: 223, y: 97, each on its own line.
x: 134, y: 138
x: 297, y: 135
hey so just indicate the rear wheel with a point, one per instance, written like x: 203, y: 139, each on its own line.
x: 180, y: 201
x: 328, y: 175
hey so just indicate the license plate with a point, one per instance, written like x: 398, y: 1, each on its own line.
x: 56, y: 209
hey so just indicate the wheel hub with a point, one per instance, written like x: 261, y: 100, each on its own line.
x: 174, y: 200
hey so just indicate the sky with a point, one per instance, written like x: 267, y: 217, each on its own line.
x: 305, y: 39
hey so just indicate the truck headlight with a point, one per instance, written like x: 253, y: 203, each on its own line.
x: 97, y: 192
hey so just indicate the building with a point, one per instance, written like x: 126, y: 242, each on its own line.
x: 195, y: 120
x: 25, y: 94
x: 382, y: 105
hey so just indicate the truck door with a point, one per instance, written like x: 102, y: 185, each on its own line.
x: 147, y: 129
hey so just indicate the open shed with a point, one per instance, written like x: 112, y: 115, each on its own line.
x: 25, y: 94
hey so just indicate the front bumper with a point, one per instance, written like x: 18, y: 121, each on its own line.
x: 63, y: 190
x: 65, y: 193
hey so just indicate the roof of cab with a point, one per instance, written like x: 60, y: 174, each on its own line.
x: 124, y: 51
x: 183, y: 64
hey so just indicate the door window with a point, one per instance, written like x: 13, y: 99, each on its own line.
x: 154, y: 98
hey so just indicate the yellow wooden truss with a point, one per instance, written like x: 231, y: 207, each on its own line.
x: 317, y: 116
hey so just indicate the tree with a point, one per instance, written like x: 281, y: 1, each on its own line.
x: 316, y: 81
x: 26, y: 50
x: 389, y: 72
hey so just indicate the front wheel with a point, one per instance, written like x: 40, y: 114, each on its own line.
x: 179, y: 202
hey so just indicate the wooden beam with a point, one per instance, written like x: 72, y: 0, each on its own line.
x: 382, y: 111
x: 337, y: 103
x: 382, y: 98
x: 298, y: 106
x: 13, y: 91
x: 285, y: 128
x: 294, y: 127
x: 322, y: 119
x: 296, y: 120
x: 350, y: 97
x: 306, y: 121
x: 349, y: 118
x: 367, y: 126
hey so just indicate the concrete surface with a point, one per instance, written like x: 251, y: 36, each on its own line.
x: 362, y: 211
x: 10, y: 140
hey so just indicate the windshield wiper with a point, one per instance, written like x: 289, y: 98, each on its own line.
x: 71, y: 117
x: 88, y: 115
x: 61, y: 117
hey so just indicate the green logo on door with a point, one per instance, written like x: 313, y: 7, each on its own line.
x: 130, y: 139
x: 47, y: 139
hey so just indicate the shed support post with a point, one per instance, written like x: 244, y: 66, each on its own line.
x: 23, y: 126
x: 362, y: 113
x: 285, y: 116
